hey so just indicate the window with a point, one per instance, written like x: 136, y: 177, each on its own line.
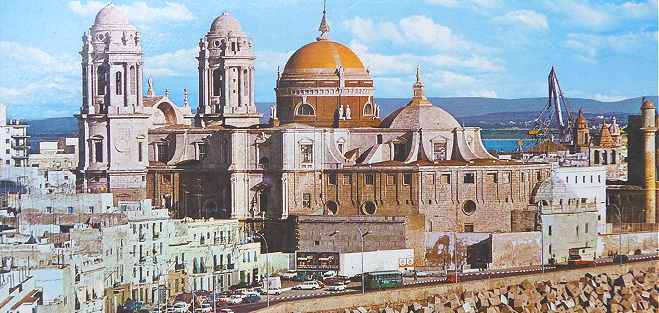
x: 368, y: 109
x: 203, y: 151
x: 133, y: 80
x: 307, y: 153
x: 331, y: 179
x: 101, y: 80
x: 586, y: 228
x: 583, y: 179
x: 98, y: 151
x: 596, y: 157
x: 614, y: 157
x: 391, y: 179
x: 399, y: 152
x: 316, y: 243
x: 264, y: 162
x: 446, y: 179
x: 469, y: 228
x: 340, y: 147
x: 599, y: 178
x: 493, y: 178
x: 69, y: 210
x: 347, y: 179
x: 469, y: 207
x: 245, y: 80
x: 163, y: 154
x: 550, y: 249
x: 118, y: 83
x: 139, y: 151
x: 305, y: 109
x: 469, y: 178
x: 306, y: 200
x: 217, y: 82
x: 439, y: 151
x: 577, y: 230
x: 368, y: 179
x: 549, y: 230
x: 369, y: 207
x: 379, y: 139
x: 332, y: 207
x: 407, y: 179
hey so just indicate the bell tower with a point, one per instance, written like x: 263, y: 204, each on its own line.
x: 112, y: 124
x: 226, y: 75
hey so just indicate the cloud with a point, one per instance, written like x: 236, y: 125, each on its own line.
x: 608, y: 97
x: 527, y: 19
x: 32, y: 76
x: 177, y: 63
x: 589, y: 46
x: 583, y: 13
x: 138, y: 12
x: 419, y: 30
x: 478, y: 4
x: 640, y: 9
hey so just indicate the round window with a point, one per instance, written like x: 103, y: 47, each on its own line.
x: 217, y: 43
x: 369, y: 207
x: 100, y: 37
x: 469, y: 207
x: 332, y: 207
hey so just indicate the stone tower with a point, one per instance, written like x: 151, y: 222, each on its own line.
x: 581, y: 133
x: 112, y: 124
x: 226, y: 75
x: 648, y: 130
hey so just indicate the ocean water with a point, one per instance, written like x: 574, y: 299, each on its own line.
x: 505, y: 145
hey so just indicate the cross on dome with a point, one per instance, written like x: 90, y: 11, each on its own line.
x: 418, y: 96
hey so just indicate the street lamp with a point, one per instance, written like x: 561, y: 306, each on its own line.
x: 362, y: 236
x: 619, y: 210
x: 267, y: 265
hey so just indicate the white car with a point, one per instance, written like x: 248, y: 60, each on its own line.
x: 337, y: 287
x: 308, y: 285
x: 271, y: 291
x: 204, y: 308
x: 236, y: 299
x: 225, y: 311
x: 288, y: 275
x: 329, y: 274
x: 180, y: 307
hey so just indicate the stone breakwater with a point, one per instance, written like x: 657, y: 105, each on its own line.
x: 634, y: 291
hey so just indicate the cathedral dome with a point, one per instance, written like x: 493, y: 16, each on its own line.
x: 111, y: 15
x: 225, y: 23
x: 323, y: 54
x: 419, y: 113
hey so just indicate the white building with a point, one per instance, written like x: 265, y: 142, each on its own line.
x: 587, y: 182
x: 56, y: 155
x: 18, y: 293
x: 14, y: 144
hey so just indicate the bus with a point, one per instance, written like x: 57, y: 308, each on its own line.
x: 383, y: 280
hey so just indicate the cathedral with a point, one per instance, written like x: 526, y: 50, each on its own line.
x: 326, y: 150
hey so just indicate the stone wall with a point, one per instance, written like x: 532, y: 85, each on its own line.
x: 397, y: 297
x: 515, y: 249
x: 646, y: 242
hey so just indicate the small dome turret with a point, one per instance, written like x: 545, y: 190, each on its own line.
x: 225, y: 23
x: 111, y: 15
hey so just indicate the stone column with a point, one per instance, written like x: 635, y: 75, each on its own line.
x: 648, y: 129
x: 227, y: 93
x: 284, y: 195
x: 252, y: 103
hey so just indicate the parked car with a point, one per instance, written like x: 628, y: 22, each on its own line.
x: 225, y: 311
x: 204, y: 308
x: 308, y: 285
x: 288, y: 275
x: 329, y: 274
x: 180, y: 307
x: 271, y: 291
x: 337, y: 287
x: 251, y: 298
x: 236, y: 299
x: 337, y: 280
x: 300, y: 276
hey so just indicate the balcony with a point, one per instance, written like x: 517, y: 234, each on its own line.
x: 219, y: 268
x: 231, y: 266
x: 142, y: 259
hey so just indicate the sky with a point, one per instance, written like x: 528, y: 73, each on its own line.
x: 603, y: 50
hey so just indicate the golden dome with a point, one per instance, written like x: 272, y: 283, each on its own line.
x: 324, y: 54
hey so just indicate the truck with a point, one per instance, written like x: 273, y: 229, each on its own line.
x: 272, y: 282
x: 350, y: 264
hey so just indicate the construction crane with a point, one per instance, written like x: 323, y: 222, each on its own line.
x: 555, y: 121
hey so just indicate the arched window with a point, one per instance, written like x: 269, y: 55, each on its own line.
x: 469, y: 207
x: 605, y: 158
x: 217, y: 82
x: 245, y: 81
x: 614, y: 157
x: 305, y: 109
x: 332, y: 207
x: 101, y: 80
x: 368, y: 109
x: 133, y: 80
x: 596, y: 157
x: 118, y: 83
x: 369, y: 207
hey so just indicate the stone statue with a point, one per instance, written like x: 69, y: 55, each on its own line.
x: 348, y: 112
x: 341, y: 117
x: 149, y: 91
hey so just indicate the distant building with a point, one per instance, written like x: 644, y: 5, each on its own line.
x: 56, y: 155
x: 14, y: 144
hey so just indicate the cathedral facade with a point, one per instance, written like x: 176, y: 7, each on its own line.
x: 325, y: 151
